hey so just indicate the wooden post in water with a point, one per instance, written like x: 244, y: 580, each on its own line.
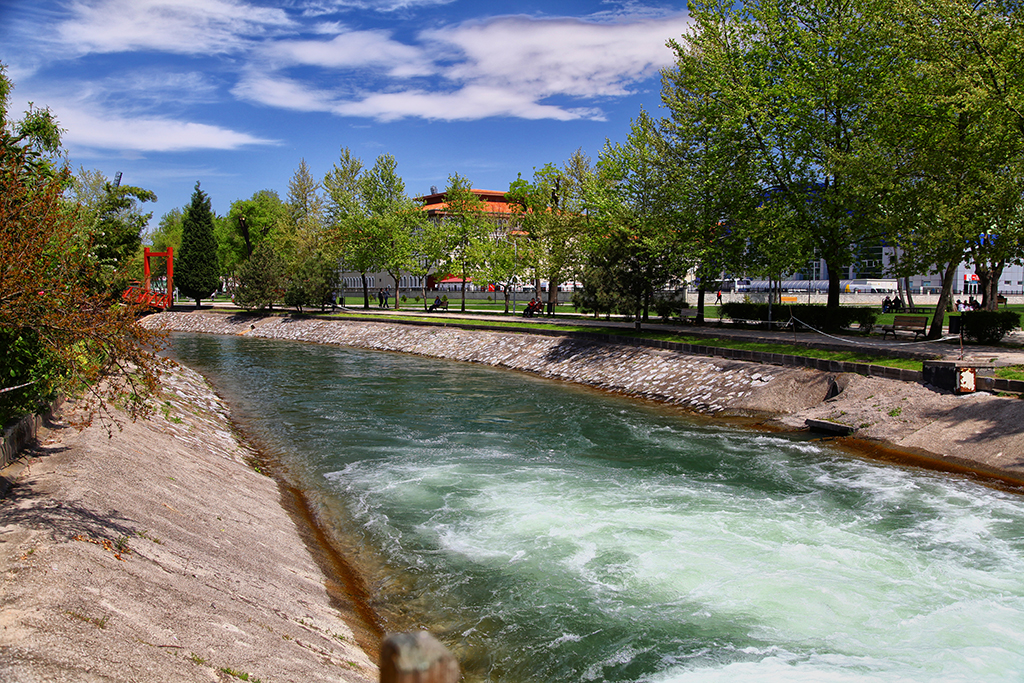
x: 416, y: 658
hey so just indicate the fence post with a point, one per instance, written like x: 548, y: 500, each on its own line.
x: 416, y: 658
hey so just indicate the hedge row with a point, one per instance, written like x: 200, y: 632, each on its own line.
x: 810, y: 315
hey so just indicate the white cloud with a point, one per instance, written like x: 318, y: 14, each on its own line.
x: 333, y: 6
x: 469, y: 103
x: 353, y: 49
x: 506, y: 67
x: 146, y: 134
x: 175, y: 26
x: 285, y: 93
x: 560, y: 56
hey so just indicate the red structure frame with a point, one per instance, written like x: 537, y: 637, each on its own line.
x: 144, y: 293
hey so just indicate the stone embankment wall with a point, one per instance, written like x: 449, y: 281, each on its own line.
x: 708, y: 385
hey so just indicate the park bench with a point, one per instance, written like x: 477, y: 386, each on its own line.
x: 688, y: 316
x: 907, y: 323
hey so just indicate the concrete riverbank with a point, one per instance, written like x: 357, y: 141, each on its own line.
x: 160, y: 552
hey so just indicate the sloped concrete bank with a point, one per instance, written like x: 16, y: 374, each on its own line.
x: 158, y: 552
x: 904, y: 421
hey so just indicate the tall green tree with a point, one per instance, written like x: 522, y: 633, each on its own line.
x: 802, y: 81
x: 196, y: 271
x: 392, y: 218
x: 465, y: 223
x: 953, y: 139
x: 305, y: 208
x: 261, y: 279
x: 635, y: 243
x: 552, y: 211
x: 116, y: 232
x: 347, y: 221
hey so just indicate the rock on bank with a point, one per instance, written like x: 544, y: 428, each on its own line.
x: 161, y: 554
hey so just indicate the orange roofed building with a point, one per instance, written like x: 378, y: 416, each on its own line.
x: 435, y: 206
x: 434, y: 203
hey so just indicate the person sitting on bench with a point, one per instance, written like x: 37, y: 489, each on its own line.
x: 436, y: 305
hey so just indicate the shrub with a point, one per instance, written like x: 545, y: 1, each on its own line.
x: 666, y: 305
x: 816, y: 316
x: 988, y: 327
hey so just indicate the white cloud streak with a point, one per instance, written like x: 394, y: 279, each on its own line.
x: 176, y: 26
x: 508, y: 66
x: 560, y: 56
x: 142, y: 134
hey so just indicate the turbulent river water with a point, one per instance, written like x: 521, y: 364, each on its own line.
x: 553, y: 533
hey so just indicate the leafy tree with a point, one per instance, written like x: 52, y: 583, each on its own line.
x: 392, y: 218
x: 347, y: 221
x: 261, y: 279
x: 116, y: 233
x: 634, y: 245
x: 58, y: 333
x: 802, y: 82
x: 497, y: 260
x: 465, y: 223
x: 714, y: 192
x: 951, y: 143
x: 196, y: 271
x: 261, y: 217
x: 305, y: 208
x: 312, y: 280
x: 552, y: 211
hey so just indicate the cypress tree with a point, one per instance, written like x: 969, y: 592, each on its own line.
x: 196, y: 272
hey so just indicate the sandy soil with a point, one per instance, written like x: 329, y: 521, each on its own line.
x: 162, y: 554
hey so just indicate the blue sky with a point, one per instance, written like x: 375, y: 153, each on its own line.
x: 234, y: 93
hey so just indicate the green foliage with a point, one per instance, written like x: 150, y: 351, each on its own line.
x: 989, y: 327
x: 818, y: 317
x: 59, y: 330
x: 260, y: 279
x: 116, y: 233
x: 668, y: 304
x: 312, y: 280
x: 28, y: 364
x: 633, y: 248
x: 196, y: 271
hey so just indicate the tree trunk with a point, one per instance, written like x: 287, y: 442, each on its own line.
x: 396, y: 277
x: 463, y: 309
x: 552, y: 297
x: 988, y: 280
x: 700, y: 304
x: 935, y: 331
x: 910, y: 294
x: 833, y: 286
x: 366, y: 292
